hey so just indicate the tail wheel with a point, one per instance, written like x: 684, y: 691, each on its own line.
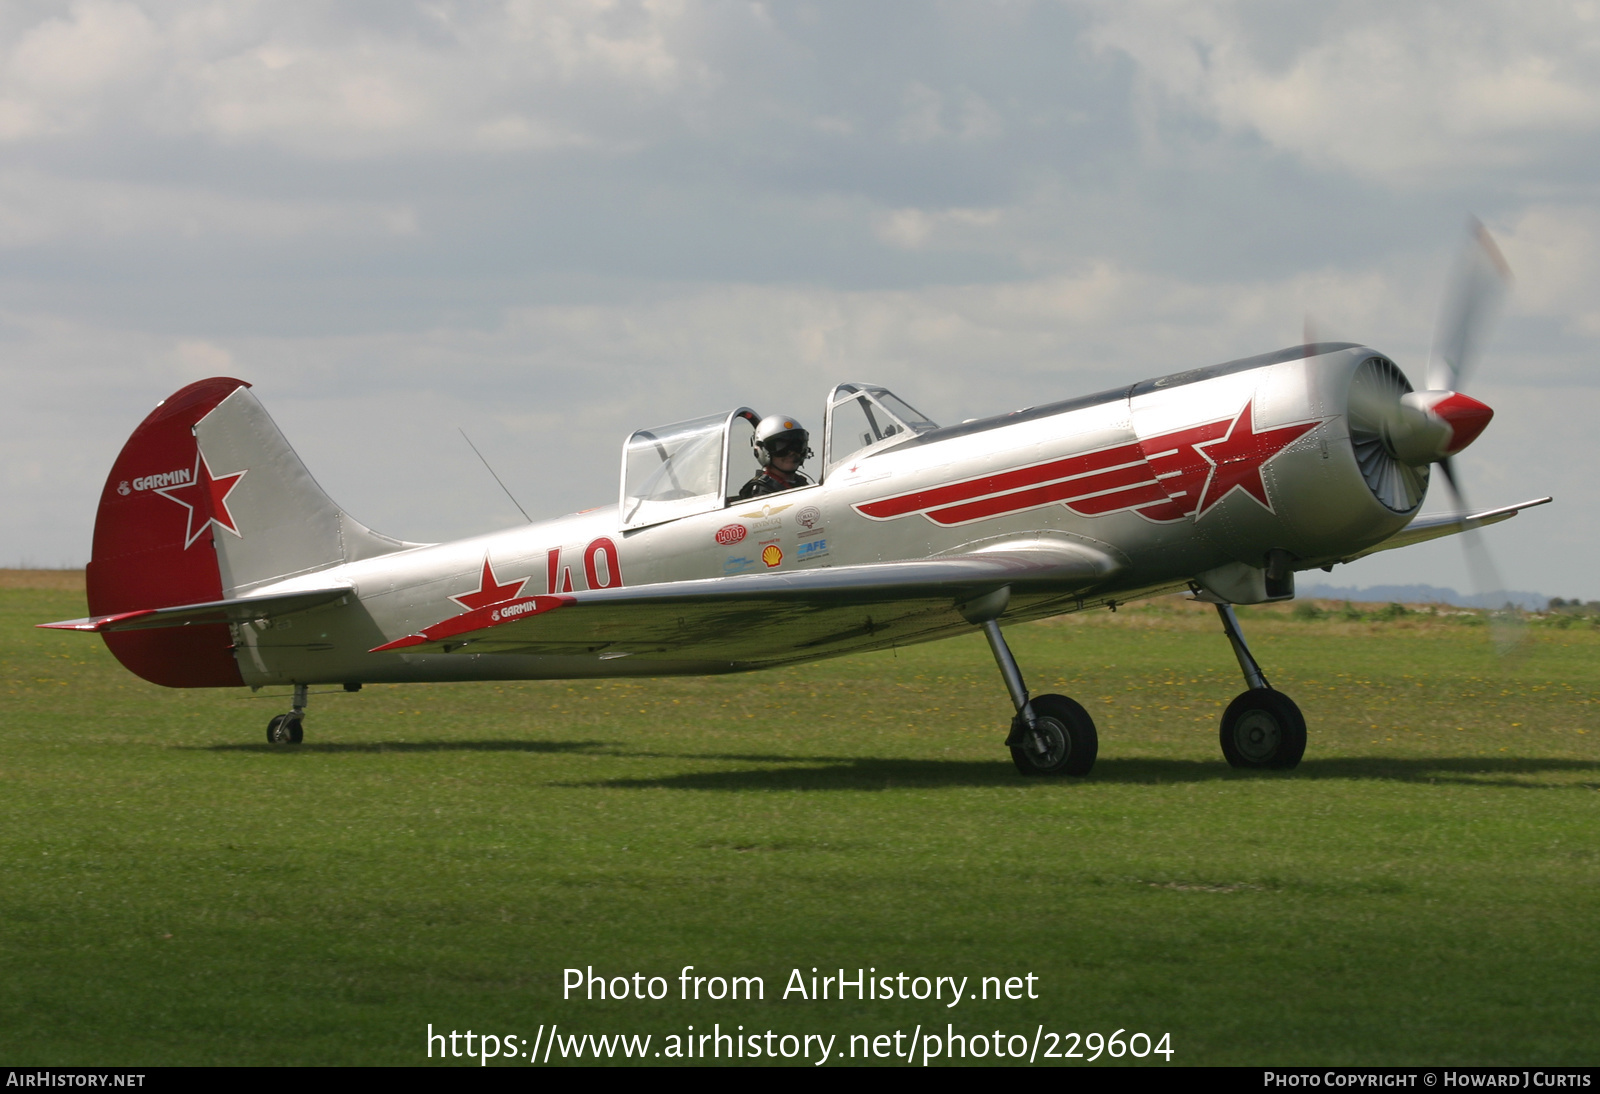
x: 1263, y: 728
x: 1067, y: 734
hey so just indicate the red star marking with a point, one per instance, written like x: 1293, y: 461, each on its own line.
x: 214, y: 491
x: 489, y: 590
x: 1237, y: 458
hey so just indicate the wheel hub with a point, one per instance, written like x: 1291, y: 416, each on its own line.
x: 1053, y: 736
x: 1257, y: 735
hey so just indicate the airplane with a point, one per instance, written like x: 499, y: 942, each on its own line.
x: 219, y: 562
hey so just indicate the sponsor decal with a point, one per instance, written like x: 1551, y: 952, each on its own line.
x: 730, y: 534
x: 1164, y: 478
x: 814, y: 548
x: 123, y: 488
x: 812, y: 532
x: 771, y: 554
x: 514, y: 609
x: 156, y: 482
x: 767, y: 511
x: 809, y: 517
x: 737, y: 564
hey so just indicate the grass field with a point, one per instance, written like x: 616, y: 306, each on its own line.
x: 1424, y: 888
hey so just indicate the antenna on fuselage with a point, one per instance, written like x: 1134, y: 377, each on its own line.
x: 496, y: 478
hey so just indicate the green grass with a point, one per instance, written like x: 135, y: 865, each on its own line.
x: 1424, y: 888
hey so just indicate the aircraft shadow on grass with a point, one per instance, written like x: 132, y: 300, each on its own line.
x: 848, y: 773
x: 324, y: 748
x: 801, y: 772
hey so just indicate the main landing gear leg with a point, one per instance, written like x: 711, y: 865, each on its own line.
x: 289, y: 729
x: 1051, y: 734
x: 1261, y: 727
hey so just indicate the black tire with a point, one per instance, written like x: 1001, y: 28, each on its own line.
x: 1263, y: 729
x: 1069, y: 732
x: 285, y: 729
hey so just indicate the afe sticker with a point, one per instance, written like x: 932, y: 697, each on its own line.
x: 731, y: 534
x: 771, y: 554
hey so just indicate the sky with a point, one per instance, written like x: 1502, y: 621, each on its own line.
x: 549, y: 223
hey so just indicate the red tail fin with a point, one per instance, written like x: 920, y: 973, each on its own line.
x: 153, y: 543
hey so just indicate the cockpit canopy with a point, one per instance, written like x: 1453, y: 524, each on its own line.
x: 863, y: 419
x: 696, y: 466
x: 677, y: 470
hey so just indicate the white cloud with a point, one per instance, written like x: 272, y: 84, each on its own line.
x: 912, y: 229
x: 37, y: 209
x: 1400, y: 93
x: 1555, y: 252
x: 932, y: 115
x: 319, y: 81
x: 62, y: 70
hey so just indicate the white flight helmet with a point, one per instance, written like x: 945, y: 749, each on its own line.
x: 778, y: 435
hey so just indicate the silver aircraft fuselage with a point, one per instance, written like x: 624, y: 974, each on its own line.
x: 1195, y: 480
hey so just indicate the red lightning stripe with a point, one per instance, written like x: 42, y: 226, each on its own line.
x: 1102, y: 492
x: 1165, y: 477
x: 1071, y: 468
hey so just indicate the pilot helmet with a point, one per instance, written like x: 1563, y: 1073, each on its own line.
x: 779, y: 435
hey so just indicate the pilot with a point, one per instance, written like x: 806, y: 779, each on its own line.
x: 780, y: 445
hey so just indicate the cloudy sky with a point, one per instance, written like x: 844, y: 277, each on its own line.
x: 550, y: 222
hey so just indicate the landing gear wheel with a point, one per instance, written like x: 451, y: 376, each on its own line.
x: 1263, y: 729
x: 285, y: 729
x: 1067, y: 732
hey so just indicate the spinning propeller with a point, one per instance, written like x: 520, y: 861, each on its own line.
x: 1400, y: 433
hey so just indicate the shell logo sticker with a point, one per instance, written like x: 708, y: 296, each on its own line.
x: 731, y: 534
x: 771, y: 554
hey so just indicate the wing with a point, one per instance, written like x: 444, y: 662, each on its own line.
x: 763, y: 619
x: 238, y: 610
x: 1420, y: 531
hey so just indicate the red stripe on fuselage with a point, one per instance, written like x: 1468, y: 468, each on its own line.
x: 1119, y: 488
x: 1017, y: 479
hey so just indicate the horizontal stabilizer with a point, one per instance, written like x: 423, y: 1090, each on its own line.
x: 750, y: 619
x: 239, y: 610
x: 1450, y: 524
